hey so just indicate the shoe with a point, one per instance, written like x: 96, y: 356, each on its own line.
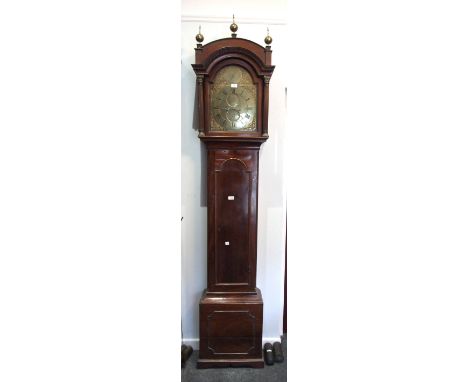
x: 184, y: 347
x: 186, y: 352
x: 278, y: 352
x: 268, y: 354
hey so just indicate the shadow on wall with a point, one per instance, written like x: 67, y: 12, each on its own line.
x: 203, y: 165
x: 203, y: 180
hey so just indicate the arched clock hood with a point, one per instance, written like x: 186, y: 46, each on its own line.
x: 209, y: 58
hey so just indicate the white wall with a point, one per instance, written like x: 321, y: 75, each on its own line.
x: 272, y: 197
x: 245, y: 10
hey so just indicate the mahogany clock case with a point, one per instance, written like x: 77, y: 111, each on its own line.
x: 231, y: 307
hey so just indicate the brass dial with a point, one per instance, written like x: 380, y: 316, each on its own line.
x: 233, y: 100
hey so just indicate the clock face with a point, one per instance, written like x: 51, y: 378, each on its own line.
x: 233, y: 100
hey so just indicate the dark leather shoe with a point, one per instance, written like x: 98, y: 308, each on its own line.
x: 278, y: 352
x: 186, y: 352
x: 184, y: 347
x: 268, y: 348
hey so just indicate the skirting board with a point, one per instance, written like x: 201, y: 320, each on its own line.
x: 195, y: 342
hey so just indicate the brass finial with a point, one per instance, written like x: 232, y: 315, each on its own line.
x: 199, y: 37
x: 233, y: 27
x: 268, y: 39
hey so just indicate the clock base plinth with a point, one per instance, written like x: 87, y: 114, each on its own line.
x: 212, y: 363
x: 231, y: 328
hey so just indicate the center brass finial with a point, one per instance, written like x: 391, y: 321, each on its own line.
x: 233, y: 27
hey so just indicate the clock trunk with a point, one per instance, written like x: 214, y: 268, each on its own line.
x: 232, y: 217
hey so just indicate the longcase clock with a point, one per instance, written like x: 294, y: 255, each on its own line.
x: 233, y: 76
